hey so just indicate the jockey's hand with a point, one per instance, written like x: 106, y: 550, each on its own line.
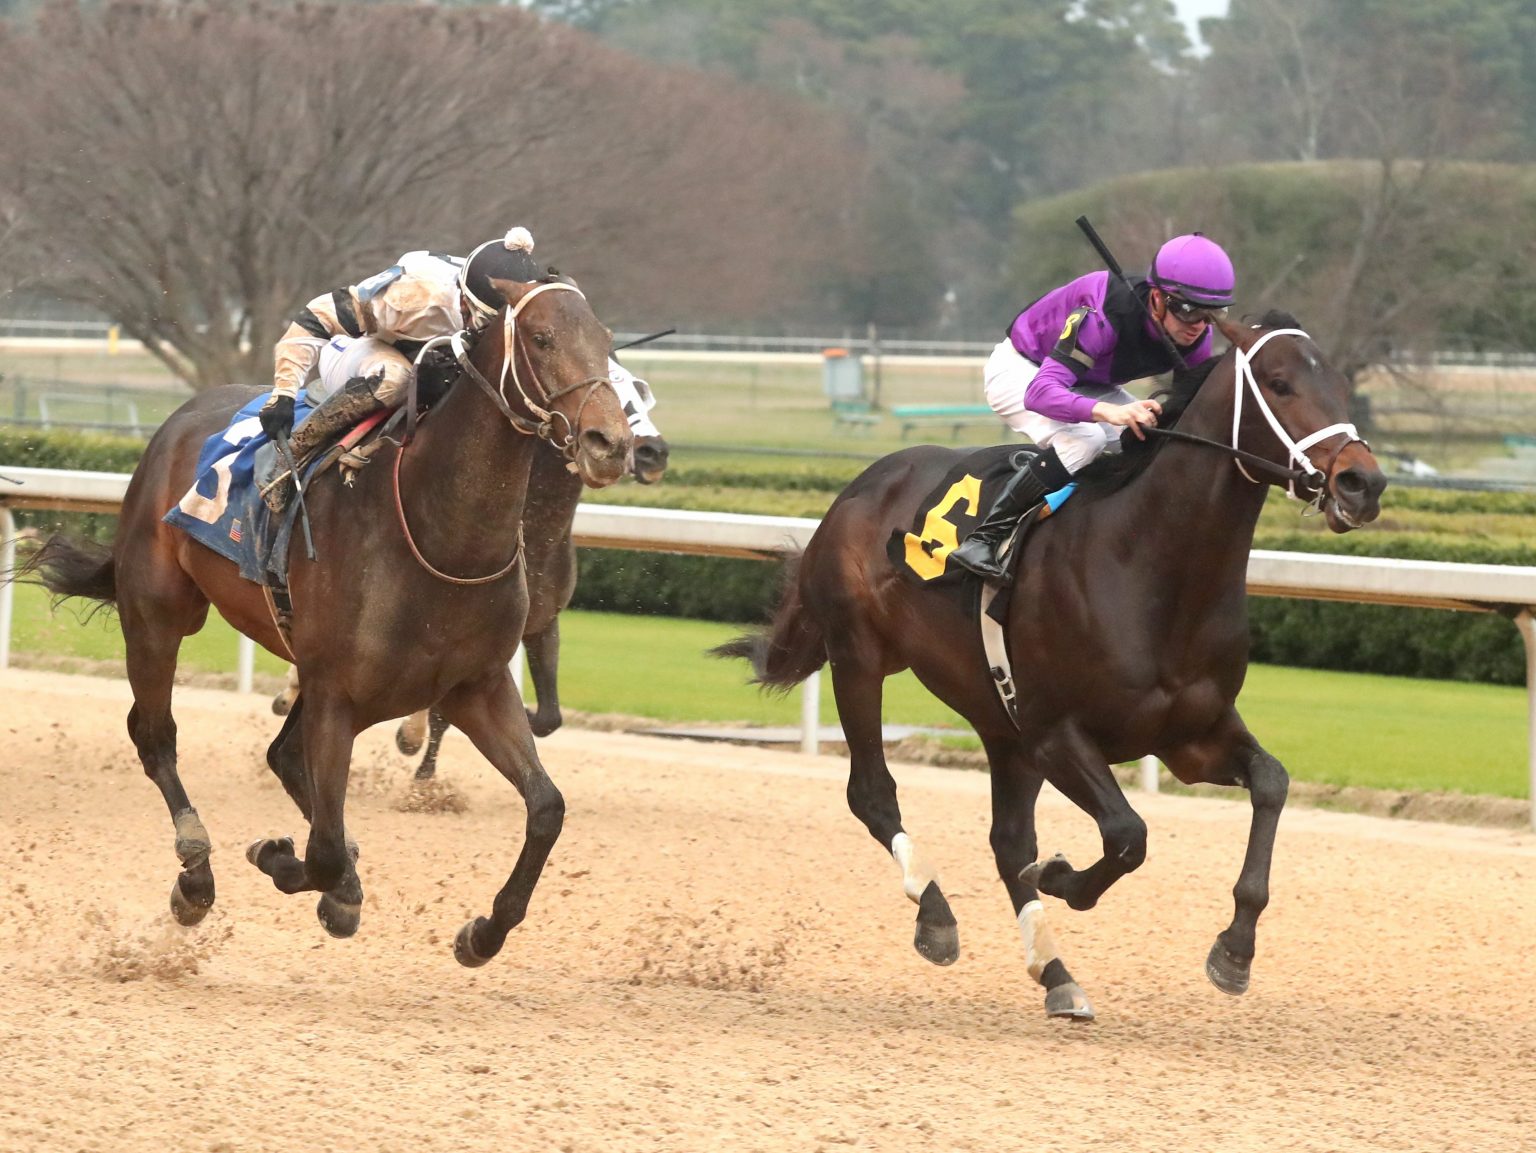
x: 276, y: 417
x: 1134, y: 416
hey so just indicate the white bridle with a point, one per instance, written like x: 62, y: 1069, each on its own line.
x: 1297, y: 448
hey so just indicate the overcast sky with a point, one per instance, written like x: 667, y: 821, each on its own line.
x: 1190, y: 11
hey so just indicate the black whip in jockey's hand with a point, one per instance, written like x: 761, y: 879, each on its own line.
x: 285, y: 454
x: 644, y: 339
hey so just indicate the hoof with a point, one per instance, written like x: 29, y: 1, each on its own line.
x: 541, y: 725
x: 937, y: 943
x: 1030, y: 874
x: 1069, y: 1002
x: 338, y: 918
x: 185, y: 911
x: 1226, y: 972
x: 406, y: 743
x: 281, y: 705
x: 937, y: 938
x: 283, y: 845
x: 464, y: 946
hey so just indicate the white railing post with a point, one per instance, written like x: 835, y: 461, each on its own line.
x: 246, y: 663
x: 1528, y: 634
x: 8, y: 590
x: 810, y: 714
x: 518, y: 664
x: 1149, y: 766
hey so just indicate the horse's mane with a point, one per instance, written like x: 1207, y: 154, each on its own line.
x: 1113, y: 471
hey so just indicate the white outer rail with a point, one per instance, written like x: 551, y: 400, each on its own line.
x: 1507, y: 589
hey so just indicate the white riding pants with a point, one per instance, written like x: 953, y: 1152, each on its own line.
x: 1007, y: 377
x: 345, y: 357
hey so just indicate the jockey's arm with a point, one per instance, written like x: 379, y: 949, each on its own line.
x: 297, y: 352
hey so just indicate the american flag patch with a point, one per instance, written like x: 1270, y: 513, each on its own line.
x: 234, y: 531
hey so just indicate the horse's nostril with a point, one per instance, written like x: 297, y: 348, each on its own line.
x: 597, y: 443
x: 1350, y: 483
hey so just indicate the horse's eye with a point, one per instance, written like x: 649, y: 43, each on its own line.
x: 1281, y: 387
x: 544, y: 340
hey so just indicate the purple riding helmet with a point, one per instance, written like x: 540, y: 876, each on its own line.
x: 1195, y: 269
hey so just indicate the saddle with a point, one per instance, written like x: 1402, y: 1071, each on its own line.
x: 945, y: 517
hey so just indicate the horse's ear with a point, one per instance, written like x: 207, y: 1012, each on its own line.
x: 512, y: 290
x: 1241, y: 335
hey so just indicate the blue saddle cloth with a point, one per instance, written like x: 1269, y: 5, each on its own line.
x: 223, y: 509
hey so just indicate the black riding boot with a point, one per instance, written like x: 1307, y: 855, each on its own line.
x: 335, y: 415
x: 978, y: 552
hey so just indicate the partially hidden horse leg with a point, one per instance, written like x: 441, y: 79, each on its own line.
x: 544, y: 668
x: 1015, y: 789
x: 316, y: 747
x: 284, y: 700
x: 1076, y: 766
x: 490, y: 713
x: 411, y: 733
x: 1236, y: 758
x: 153, y: 635
x: 858, y: 684
x: 437, y: 728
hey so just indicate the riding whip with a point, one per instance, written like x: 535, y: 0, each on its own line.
x: 285, y: 454
x: 1114, y: 267
x: 644, y: 339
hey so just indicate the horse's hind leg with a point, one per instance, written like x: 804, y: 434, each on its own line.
x: 437, y: 728
x: 858, y: 683
x: 544, y: 669
x: 491, y: 715
x: 1015, y: 789
x: 153, y: 633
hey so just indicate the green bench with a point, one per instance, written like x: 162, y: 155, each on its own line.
x: 856, y: 413
x: 953, y: 416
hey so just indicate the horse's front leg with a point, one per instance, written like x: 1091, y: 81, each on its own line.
x: 544, y: 669
x: 316, y: 753
x: 490, y: 713
x: 1231, y: 756
x: 1015, y: 789
x: 1076, y: 766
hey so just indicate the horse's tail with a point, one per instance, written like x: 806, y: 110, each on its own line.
x: 71, y: 568
x: 790, y: 649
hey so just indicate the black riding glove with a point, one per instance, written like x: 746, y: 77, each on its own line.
x: 277, y: 417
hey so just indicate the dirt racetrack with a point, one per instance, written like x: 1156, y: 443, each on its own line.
x: 719, y: 957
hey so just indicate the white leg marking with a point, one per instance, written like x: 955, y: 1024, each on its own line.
x: 916, y: 873
x: 1039, y: 941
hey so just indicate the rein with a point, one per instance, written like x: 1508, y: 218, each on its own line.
x: 541, y: 425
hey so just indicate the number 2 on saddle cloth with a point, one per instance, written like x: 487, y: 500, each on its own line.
x: 948, y: 514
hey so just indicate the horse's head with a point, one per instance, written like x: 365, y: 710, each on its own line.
x: 1292, y: 407
x: 554, y: 373
x: 649, y: 450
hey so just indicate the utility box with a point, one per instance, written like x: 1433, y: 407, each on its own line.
x: 842, y: 374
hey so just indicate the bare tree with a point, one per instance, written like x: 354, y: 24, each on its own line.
x: 198, y: 171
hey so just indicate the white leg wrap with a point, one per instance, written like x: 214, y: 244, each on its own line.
x: 1039, y: 942
x: 916, y: 873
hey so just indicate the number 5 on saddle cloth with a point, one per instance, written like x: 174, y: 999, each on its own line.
x: 945, y: 517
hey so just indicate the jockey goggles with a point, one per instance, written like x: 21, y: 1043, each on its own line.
x: 1192, y: 313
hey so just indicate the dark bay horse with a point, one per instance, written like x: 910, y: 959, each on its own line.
x: 549, y: 556
x: 553, y: 493
x: 417, y: 597
x: 1127, y: 626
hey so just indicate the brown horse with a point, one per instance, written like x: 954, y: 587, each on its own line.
x: 1127, y: 625
x: 422, y: 556
x: 553, y: 494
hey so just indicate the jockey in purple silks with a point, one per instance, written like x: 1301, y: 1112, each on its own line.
x: 1059, y: 376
